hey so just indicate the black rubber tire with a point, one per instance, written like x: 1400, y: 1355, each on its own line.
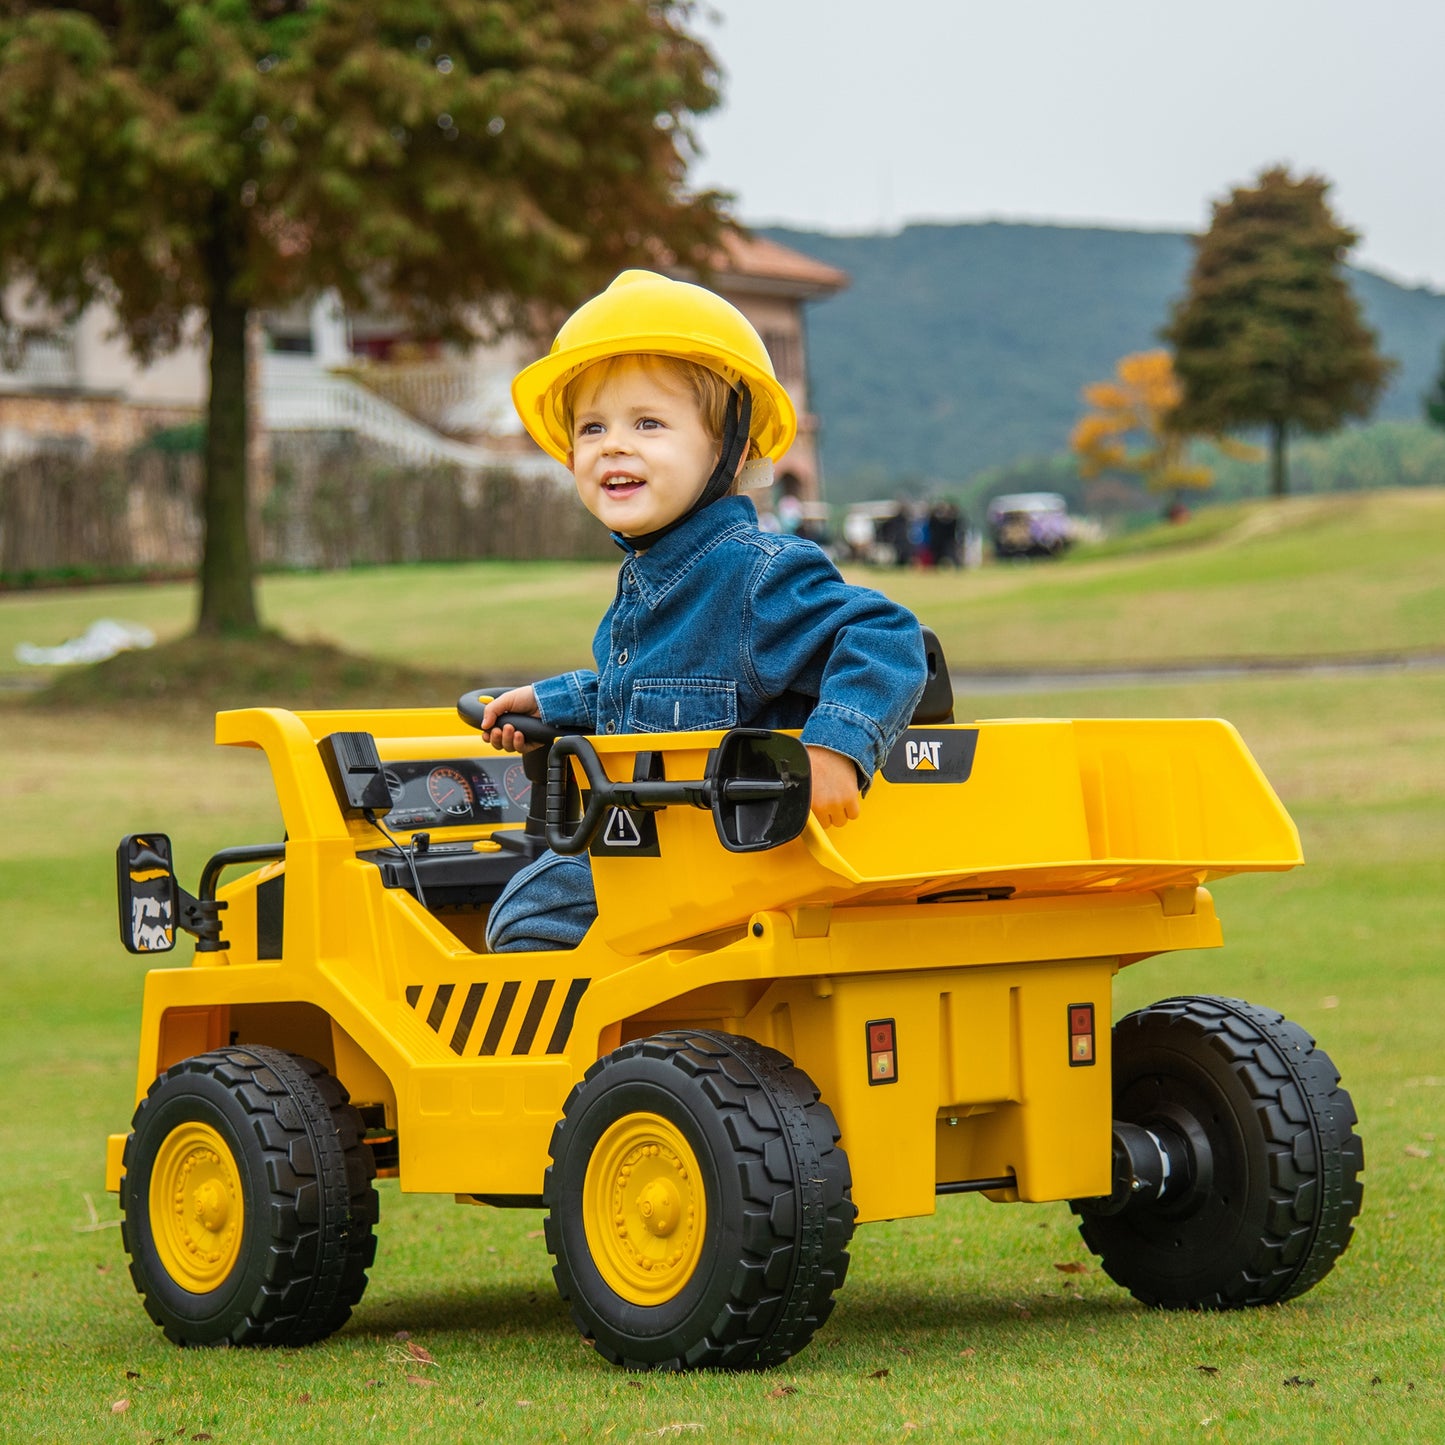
x: 304, y: 1175
x: 779, y: 1208
x: 1274, y: 1204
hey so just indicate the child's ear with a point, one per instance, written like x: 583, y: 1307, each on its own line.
x: 570, y: 467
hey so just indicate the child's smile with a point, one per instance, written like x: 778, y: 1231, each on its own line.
x: 641, y: 454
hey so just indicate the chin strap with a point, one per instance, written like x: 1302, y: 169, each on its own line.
x: 734, y: 444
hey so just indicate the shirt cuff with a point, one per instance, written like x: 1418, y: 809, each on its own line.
x: 563, y: 701
x: 854, y: 734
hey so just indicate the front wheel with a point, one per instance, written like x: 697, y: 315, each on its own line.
x: 1263, y: 1185
x: 699, y: 1205
x: 247, y: 1200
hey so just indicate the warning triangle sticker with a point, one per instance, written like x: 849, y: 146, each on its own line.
x: 621, y: 830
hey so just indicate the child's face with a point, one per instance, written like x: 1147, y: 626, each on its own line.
x: 641, y: 454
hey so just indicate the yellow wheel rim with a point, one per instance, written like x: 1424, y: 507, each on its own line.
x: 643, y: 1209
x: 196, y: 1209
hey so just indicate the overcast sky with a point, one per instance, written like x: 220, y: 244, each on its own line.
x: 864, y: 115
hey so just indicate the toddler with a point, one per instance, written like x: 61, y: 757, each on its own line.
x: 661, y: 400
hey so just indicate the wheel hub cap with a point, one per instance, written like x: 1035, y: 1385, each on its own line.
x: 644, y: 1209
x: 196, y: 1210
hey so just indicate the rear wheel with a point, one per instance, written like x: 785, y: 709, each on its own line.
x: 699, y: 1207
x: 1259, y: 1189
x: 247, y: 1200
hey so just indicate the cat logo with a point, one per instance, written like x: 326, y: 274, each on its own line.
x: 621, y: 830
x: 921, y: 756
x: 932, y: 755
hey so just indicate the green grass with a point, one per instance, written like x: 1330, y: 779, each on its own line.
x: 1312, y: 576
x: 954, y: 1326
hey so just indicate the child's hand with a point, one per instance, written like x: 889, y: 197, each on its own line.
x: 836, y: 798
x: 519, y: 699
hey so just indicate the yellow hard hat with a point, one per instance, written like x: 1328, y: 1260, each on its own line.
x: 642, y: 313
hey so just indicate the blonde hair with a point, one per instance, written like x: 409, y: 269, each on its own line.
x: 711, y: 391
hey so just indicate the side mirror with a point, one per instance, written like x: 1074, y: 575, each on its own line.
x: 146, y: 889
x: 762, y: 788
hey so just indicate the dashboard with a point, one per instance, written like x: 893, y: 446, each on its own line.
x: 455, y: 792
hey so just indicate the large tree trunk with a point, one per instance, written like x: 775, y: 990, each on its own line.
x: 1278, y: 458
x: 228, y: 582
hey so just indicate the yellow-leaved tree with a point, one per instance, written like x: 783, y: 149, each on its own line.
x: 1129, y: 427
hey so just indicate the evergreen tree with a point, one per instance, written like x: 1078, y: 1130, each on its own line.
x: 457, y: 162
x: 1435, y: 397
x: 1269, y: 333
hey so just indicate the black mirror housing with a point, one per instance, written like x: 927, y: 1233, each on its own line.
x: 146, y: 888
x: 762, y: 789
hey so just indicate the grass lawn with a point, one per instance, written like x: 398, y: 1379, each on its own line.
x: 961, y: 1325
x: 1314, y: 576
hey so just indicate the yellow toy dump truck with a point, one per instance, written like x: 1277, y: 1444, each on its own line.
x: 771, y: 1034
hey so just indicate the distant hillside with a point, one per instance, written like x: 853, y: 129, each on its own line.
x: 963, y: 347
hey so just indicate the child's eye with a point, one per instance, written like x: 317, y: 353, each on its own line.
x: 648, y: 423
x: 588, y: 428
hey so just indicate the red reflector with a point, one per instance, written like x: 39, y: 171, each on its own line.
x: 1081, y: 1034
x: 882, y: 1052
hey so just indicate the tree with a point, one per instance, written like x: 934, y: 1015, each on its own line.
x: 1137, y: 404
x: 1435, y: 397
x: 1269, y: 333
x: 470, y: 165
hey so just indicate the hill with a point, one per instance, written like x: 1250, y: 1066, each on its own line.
x: 963, y: 347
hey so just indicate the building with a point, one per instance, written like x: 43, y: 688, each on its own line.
x: 78, y: 388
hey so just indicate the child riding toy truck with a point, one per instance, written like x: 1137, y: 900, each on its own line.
x: 771, y: 1034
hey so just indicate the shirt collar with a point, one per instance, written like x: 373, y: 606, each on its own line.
x: 663, y: 565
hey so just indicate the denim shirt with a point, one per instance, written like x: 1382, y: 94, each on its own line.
x: 720, y: 625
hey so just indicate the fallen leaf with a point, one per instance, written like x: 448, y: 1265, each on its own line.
x: 969, y: 1352
x: 303, y: 1399
x: 781, y: 1391
x: 103, y: 1268
x: 132, y: 1374
x: 879, y: 1374
x: 1414, y: 1151
x: 120, y: 1407
x: 524, y: 1404
x: 1072, y: 1266
x: 202, y: 1435
x: 1375, y: 1380
x: 1330, y: 1001
x: 635, y: 1384
x: 1299, y: 1380
x: 535, y: 1233
x: 420, y: 1353
x: 1207, y: 1369
x: 420, y: 1380
x: 904, y: 1350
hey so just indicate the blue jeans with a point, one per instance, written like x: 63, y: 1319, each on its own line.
x: 550, y: 904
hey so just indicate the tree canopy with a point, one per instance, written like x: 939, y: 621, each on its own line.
x: 1435, y: 397
x: 458, y: 163
x: 1129, y: 426
x: 1268, y: 332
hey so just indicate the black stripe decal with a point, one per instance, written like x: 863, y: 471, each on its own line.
x: 439, y: 1006
x: 413, y: 993
x: 540, y: 995
x: 500, y: 1014
x: 560, y: 1034
x: 470, y: 1005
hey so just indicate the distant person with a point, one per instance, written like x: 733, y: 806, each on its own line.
x: 656, y: 394
x: 943, y: 534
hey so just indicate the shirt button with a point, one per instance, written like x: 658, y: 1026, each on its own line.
x: 622, y: 659
x: 612, y: 727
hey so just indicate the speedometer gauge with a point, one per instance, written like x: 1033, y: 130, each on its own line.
x: 450, y: 791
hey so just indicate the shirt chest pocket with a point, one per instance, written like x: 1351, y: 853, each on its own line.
x: 677, y: 705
